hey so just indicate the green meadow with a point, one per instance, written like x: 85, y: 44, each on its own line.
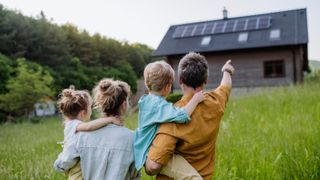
x: 271, y: 135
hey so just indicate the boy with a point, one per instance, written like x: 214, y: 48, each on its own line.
x: 154, y: 109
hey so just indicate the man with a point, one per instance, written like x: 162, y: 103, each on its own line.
x: 196, y: 140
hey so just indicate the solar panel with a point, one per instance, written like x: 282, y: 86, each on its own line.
x: 252, y: 24
x: 178, y: 31
x: 199, y: 29
x: 240, y: 24
x: 264, y: 22
x: 188, y: 31
x: 208, y: 28
x: 230, y: 26
x: 227, y: 26
x: 194, y: 29
x: 219, y: 28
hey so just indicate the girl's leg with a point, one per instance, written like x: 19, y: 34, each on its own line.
x: 75, y: 172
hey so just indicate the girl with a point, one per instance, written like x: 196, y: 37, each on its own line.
x: 76, y: 108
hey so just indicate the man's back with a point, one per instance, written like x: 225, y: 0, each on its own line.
x: 107, y: 153
x: 195, y: 141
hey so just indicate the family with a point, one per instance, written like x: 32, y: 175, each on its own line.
x: 171, y: 141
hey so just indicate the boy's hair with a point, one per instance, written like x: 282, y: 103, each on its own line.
x: 109, y: 95
x: 72, y: 102
x: 157, y: 75
x: 193, y: 70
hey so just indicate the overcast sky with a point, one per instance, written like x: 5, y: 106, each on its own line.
x: 146, y: 21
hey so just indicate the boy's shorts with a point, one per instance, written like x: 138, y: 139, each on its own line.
x: 180, y: 169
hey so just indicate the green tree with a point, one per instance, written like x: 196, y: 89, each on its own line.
x: 70, y: 54
x: 30, y: 85
x: 5, y: 72
x: 74, y: 75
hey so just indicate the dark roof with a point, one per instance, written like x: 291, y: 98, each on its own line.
x: 224, y: 33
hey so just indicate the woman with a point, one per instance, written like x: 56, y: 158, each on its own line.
x: 107, y: 153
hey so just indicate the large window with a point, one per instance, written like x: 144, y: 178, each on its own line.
x: 274, y: 69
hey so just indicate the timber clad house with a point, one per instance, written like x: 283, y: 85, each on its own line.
x: 266, y: 49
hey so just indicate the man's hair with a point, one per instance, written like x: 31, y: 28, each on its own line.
x: 193, y: 70
x: 157, y: 75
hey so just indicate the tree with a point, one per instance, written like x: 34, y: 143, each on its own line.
x: 5, y: 72
x: 71, y: 55
x: 30, y: 85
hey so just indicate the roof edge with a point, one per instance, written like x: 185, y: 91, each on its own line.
x: 305, y: 9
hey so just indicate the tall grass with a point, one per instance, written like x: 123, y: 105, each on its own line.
x: 273, y: 135
x: 27, y: 151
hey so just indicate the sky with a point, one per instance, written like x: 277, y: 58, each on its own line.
x: 147, y: 21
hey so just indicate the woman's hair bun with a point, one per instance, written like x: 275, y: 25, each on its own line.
x: 67, y: 93
x: 107, y: 86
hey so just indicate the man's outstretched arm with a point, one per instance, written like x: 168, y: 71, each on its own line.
x: 227, y: 71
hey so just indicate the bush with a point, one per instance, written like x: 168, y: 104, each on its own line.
x: 35, y: 120
x: 313, y: 76
x: 174, y: 97
x: 3, y: 117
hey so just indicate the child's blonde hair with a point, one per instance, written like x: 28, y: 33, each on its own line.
x: 109, y: 95
x: 157, y: 75
x: 72, y: 102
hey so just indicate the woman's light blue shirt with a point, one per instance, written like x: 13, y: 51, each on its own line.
x: 153, y: 110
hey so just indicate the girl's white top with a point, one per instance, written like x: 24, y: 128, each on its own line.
x: 64, y: 162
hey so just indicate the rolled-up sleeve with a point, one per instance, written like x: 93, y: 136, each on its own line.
x: 66, y: 159
x: 222, y: 94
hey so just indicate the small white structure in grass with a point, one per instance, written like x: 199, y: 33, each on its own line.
x: 45, y: 108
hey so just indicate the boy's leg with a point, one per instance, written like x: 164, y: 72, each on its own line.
x: 178, y: 168
x: 75, y: 172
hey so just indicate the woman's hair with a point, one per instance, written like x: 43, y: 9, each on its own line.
x: 109, y: 95
x: 72, y: 102
x: 157, y: 75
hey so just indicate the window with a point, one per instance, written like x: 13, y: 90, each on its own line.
x: 243, y: 37
x: 274, y: 69
x: 275, y: 34
x: 206, y: 41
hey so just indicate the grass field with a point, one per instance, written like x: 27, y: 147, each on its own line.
x: 273, y: 135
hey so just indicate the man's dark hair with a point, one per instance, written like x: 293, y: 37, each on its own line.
x: 193, y: 70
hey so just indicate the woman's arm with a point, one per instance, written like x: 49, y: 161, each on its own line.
x: 192, y: 104
x: 98, y: 123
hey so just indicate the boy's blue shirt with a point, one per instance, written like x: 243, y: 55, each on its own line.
x: 153, y: 110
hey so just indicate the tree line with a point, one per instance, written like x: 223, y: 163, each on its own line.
x: 64, y: 53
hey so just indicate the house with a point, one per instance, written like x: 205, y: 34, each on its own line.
x: 45, y: 107
x: 266, y: 49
